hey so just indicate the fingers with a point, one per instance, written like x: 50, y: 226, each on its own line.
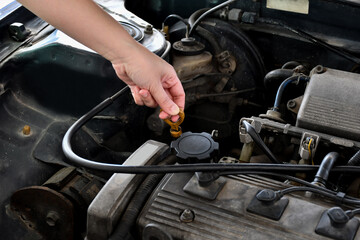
x: 164, y: 101
x: 142, y: 97
x: 147, y: 99
x: 178, y: 95
x: 135, y: 93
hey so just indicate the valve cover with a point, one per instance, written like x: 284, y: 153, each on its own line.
x: 179, y: 214
x: 331, y: 104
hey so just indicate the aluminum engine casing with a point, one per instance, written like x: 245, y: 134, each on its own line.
x: 331, y: 104
x: 226, y: 216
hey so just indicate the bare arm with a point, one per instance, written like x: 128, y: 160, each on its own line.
x: 151, y: 79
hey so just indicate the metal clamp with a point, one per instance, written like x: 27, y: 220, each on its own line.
x: 175, y: 129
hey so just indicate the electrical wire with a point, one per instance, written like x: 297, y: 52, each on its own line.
x: 334, y: 197
x: 259, y: 142
x: 352, y: 213
x: 208, y: 12
x: 309, y: 149
x: 283, y: 176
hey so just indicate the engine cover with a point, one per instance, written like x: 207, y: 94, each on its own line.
x: 331, y: 104
x: 226, y: 217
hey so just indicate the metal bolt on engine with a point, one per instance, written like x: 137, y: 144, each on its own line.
x: 187, y: 216
x: 51, y: 218
x: 148, y: 29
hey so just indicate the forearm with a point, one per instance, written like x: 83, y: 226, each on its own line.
x: 151, y: 79
x: 86, y: 22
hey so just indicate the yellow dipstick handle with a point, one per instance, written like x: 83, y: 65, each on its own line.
x: 175, y: 129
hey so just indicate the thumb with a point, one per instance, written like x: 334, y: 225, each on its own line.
x: 164, y: 100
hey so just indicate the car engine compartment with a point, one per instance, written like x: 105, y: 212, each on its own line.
x: 270, y: 141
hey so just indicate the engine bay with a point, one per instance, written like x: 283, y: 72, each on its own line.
x: 269, y: 143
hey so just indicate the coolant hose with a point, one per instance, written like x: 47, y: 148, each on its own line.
x: 282, y: 88
x: 275, y: 77
x: 326, y: 165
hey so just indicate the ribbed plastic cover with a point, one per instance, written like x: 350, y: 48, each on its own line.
x: 331, y: 104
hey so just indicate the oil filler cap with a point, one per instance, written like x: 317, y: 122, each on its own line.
x: 195, y: 146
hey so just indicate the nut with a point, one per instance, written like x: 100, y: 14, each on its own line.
x: 187, y: 216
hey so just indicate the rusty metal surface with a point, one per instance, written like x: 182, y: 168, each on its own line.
x: 44, y: 211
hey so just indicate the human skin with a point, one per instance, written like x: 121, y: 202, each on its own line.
x: 152, y: 81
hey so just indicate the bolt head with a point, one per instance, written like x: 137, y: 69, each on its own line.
x: 291, y: 104
x: 187, y: 216
x: 51, y: 218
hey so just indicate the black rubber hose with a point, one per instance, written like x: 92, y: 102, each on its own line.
x: 326, y: 165
x: 122, y: 230
x: 276, y: 77
x: 354, y: 160
x: 283, y: 86
x: 207, y: 13
x: 290, y: 65
x: 207, y: 35
x: 259, y: 142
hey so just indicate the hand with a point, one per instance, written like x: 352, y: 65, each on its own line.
x: 152, y: 81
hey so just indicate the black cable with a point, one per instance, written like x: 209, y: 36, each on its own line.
x: 208, y: 12
x: 259, y: 142
x: 352, y: 213
x: 283, y: 86
x: 283, y: 176
x: 181, y: 19
x: 204, y: 167
x: 312, y: 39
x: 334, y: 197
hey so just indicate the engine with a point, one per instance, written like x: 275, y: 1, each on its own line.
x: 270, y: 138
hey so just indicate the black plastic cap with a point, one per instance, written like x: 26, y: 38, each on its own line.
x: 337, y: 215
x: 195, y: 146
x: 266, y: 195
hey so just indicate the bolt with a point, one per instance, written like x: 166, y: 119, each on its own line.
x: 319, y: 69
x: 215, y: 133
x: 148, y: 29
x: 51, y: 218
x: 26, y: 130
x: 18, y: 31
x: 291, y: 104
x: 187, y: 216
